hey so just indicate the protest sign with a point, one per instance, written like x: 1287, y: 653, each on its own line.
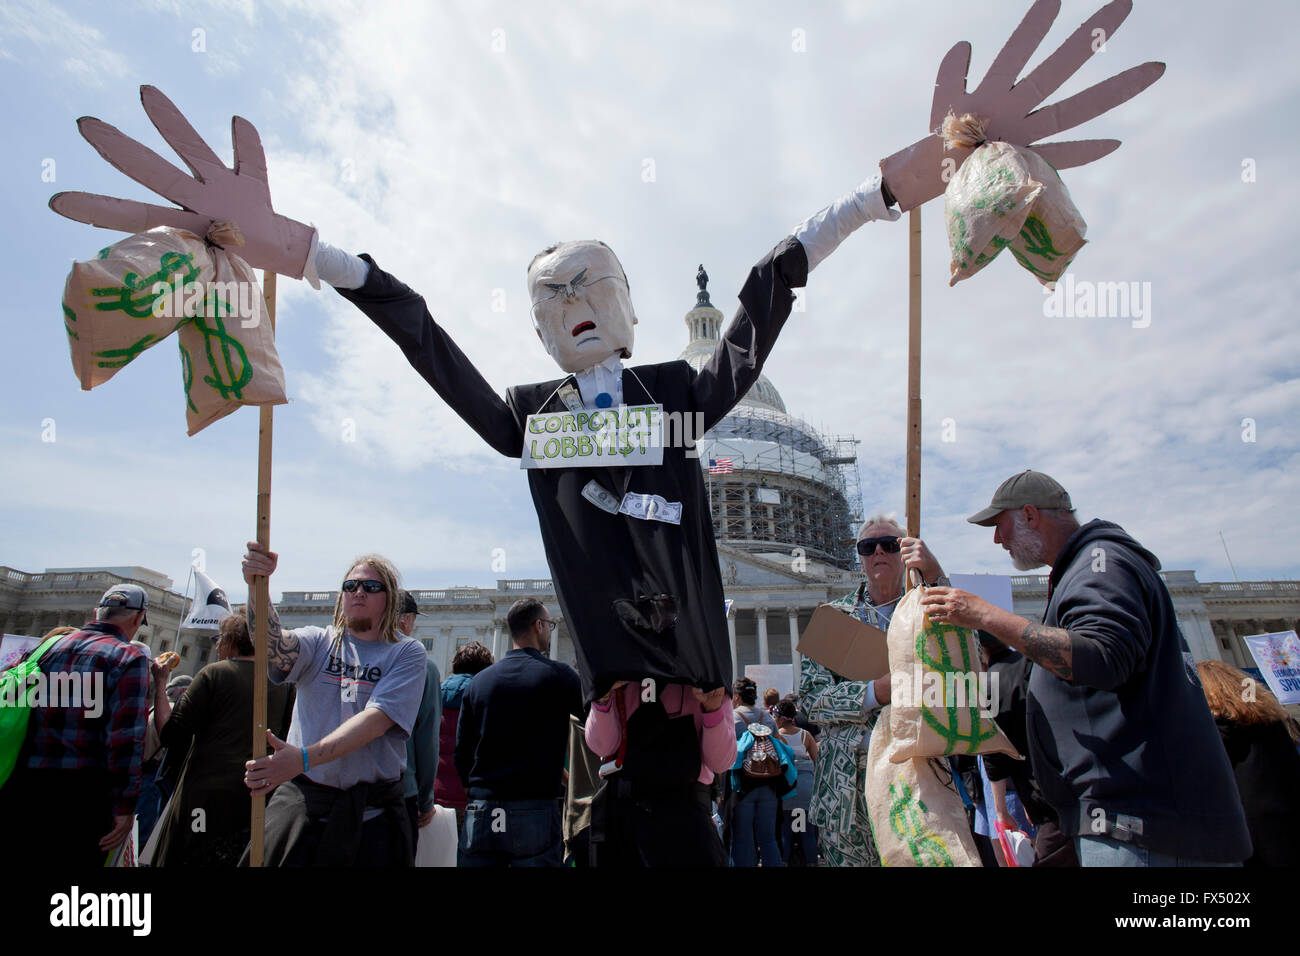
x: 1278, y: 656
x: 620, y: 437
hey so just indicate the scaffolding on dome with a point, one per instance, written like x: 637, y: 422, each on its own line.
x: 788, y: 489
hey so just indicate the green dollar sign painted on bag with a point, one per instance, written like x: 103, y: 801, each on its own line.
x: 235, y: 371
x: 135, y: 296
x: 951, y: 731
x: 997, y: 244
x: 187, y: 373
x: 1038, y: 240
x: 69, y: 316
x: 926, y: 848
x: 958, y: 237
x: 116, y: 358
x: 998, y: 202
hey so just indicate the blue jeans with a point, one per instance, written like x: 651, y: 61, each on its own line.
x: 511, y: 833
x: 754, y: 821
x: 807, y: 839
x: 1103, y: 851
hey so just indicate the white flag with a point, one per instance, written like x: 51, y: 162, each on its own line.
x: 210, y: 606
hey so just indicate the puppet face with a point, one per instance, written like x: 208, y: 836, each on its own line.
x: 581, y: 306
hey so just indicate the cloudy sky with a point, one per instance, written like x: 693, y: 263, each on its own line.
x: 452, y: 141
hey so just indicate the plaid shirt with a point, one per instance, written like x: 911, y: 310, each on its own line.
x: 117, y: 686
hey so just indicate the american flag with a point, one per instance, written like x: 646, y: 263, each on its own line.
x: 721, y: 466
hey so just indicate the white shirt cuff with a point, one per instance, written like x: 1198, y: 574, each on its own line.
x: 340, y: 269
x: 821, y: 234
x: 869, y: 703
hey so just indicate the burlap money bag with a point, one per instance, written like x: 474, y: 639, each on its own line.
x: 917, y: 816
x: 138, y: 291
x: 1002, y: 197
x: 936, y: 690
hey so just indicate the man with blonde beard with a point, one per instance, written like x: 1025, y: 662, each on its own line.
x: 1120, y: 739
x: 337, y: 781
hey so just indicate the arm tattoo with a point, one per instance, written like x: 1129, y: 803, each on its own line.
x: 281, y: 648
x: 1050, y: 648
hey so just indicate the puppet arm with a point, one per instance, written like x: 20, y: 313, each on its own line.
x: 767, y: 296
x: 765, y: 301
x: 404, y: 318
x: 821, y: 233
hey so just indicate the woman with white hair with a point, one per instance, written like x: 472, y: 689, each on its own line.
x: 846, y: 710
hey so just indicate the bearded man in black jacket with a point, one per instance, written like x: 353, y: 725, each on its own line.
x: 1119, y: 736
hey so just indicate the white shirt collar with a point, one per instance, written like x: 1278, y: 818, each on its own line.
x: 606, y: 376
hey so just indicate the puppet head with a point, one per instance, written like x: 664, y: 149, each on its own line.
x: 581, y: 306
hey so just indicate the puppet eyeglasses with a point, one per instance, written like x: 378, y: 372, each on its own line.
x: 569, y: 289
x: 370, y: 587
x: 868, y: 545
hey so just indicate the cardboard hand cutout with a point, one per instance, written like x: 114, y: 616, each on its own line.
x: 917, y: 173
x: 214, y: 193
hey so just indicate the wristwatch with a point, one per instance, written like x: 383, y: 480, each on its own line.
x: 941, y: 582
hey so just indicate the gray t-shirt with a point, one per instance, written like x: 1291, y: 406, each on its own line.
x: 338, y: 679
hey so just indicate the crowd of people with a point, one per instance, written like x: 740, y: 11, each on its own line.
x: 1130, y: 756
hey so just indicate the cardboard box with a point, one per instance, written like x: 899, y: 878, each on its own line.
x: 844, y: 644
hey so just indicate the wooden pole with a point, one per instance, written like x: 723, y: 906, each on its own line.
x: 262, y: 595
x: 914, y: 375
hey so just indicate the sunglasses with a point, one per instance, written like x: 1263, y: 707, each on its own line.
x: 890, y: 543
x: 370, y: 587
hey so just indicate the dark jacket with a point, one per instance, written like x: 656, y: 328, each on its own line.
x: 213, y: 715
x: 1127, y: 748
x: 1267, y: 768
x: 448, y: 791
x: 1013, y: 669
x: 641, y: 598
x: 513, y: 731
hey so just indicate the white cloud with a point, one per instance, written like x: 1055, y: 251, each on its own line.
x: 79, y: 47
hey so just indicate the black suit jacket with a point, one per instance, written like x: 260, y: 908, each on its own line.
x: 641, y: 598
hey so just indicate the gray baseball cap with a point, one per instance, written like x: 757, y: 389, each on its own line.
x: 1027, y: 488
x: 129, y: 596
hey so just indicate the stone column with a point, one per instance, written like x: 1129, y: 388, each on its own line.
x: 796, y: 659
x: 554, y: 651
x: 731, y: 639
x: 496, y: 639
x: 762, y: 634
